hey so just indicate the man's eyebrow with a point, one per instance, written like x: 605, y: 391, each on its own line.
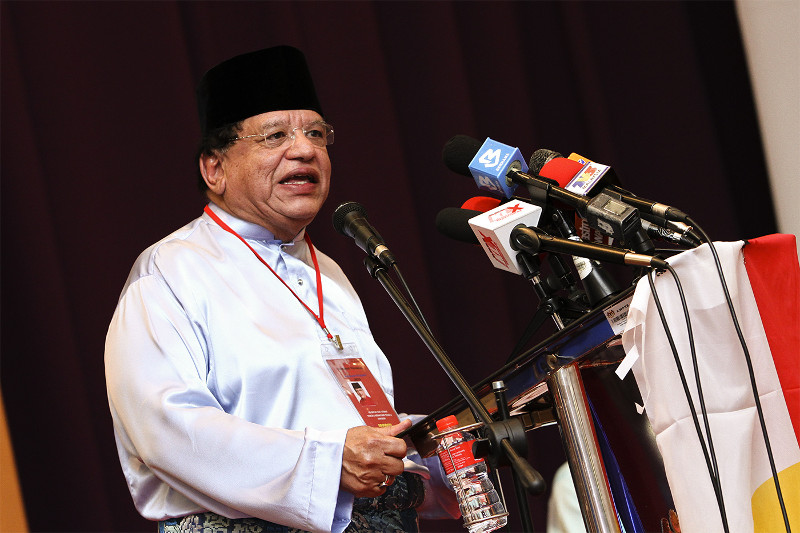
x: 273, y: 123
x: 280, y: 123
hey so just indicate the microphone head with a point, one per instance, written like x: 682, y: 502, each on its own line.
x: 340, y: 216
x: 453, y: 222
x: 540, y: 158
x: 458, y: 152
x: 561, y: 169
x: 481, y: 203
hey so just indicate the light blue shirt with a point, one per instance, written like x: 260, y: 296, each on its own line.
x: 219, y: 395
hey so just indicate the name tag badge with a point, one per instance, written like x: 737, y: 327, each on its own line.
x: 359, y: 385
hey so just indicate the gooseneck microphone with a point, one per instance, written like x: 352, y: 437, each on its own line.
x: 350, y: 219
x: 534, y: 240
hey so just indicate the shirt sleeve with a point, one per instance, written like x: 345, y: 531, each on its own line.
x: 182, y: 453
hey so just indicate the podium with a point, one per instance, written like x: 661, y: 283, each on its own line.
x: 614, y: 445
x: 569, y: 380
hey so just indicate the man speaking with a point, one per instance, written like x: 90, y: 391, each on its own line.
x: 229, y: 353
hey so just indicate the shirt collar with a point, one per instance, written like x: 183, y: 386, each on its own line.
x: 250, y: 230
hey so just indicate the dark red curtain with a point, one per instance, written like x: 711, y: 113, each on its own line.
x: 98, y: 143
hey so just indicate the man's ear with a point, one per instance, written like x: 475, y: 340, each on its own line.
x: 213, y: 172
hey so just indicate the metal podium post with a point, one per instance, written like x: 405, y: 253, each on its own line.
x: 580, y: 445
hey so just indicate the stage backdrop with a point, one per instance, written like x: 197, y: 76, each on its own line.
x: 98, y: 141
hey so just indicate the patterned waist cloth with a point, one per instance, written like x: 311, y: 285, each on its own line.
x: 393, y: 511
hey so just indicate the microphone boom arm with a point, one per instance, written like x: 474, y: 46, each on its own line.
x: 533, y: 481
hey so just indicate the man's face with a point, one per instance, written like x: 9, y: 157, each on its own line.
x: 361, y: 393
x: 281, y: 189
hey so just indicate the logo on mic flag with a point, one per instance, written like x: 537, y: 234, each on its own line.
x: 507, y: 211
x: 585, y: 180
x: 490, y: 158
x: 493, y: 249
x: 491, y: 164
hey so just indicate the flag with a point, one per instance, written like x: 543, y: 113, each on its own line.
x: 763, y: 279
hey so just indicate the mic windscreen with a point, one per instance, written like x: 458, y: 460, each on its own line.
x: 453, y: 222
x: 481, y: 203
x: 540, y: 158
x: 458, y: 152
x: 341, y: 212
x: 561, y: 169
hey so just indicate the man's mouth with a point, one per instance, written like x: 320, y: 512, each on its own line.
x: 299, y: 179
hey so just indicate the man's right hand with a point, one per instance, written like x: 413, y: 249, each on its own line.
x: 370, y: 455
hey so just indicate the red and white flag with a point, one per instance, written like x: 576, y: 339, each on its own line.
x: 763, y: 278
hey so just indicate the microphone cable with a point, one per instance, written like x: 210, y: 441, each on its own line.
x: 708, y: 453
x: 750, y: 372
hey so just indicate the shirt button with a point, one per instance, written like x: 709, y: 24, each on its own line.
x: 299, y: 281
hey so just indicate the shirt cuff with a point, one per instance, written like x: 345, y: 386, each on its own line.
x: 325, y: 486
x: 343, y: 511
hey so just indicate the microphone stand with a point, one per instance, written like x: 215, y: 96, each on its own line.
x: 561, y: 310
x: 506, y: 438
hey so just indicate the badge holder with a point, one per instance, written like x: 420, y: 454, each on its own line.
x: 358, y: 384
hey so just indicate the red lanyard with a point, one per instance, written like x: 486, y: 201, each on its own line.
x: 319, y: 318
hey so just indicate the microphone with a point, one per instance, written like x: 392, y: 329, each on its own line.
x: 463, y: 154
x: 489, y: 163
x: 540, y: 158
x: 560, y: 169
x: 592, y: 176
x: 480, y: 203
x: 490, y: 229
x: 458, y: 152
x: 650, y: 207
x: 604, y: 211
x: 597, y: 283
x: 611, y: 216
x: 453, y: 222
x: 493, y: 228
x: 572, y: 175
x: 533, y: 240
x: 350, y: 219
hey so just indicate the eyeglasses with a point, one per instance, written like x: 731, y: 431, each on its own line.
x: 319, y: 133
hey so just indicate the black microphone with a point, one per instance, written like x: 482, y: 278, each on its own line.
x: 458, y: 152
x: 597, y: 282
x: 534, y: 240
x: 350, y: 219
x: 563, y: 171
x: 595, y: 178
x: 540, y: 158
x: 453, y: 222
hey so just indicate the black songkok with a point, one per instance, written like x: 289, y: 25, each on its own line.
x: 273, y: 79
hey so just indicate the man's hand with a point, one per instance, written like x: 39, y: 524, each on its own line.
x: 372, y: 458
